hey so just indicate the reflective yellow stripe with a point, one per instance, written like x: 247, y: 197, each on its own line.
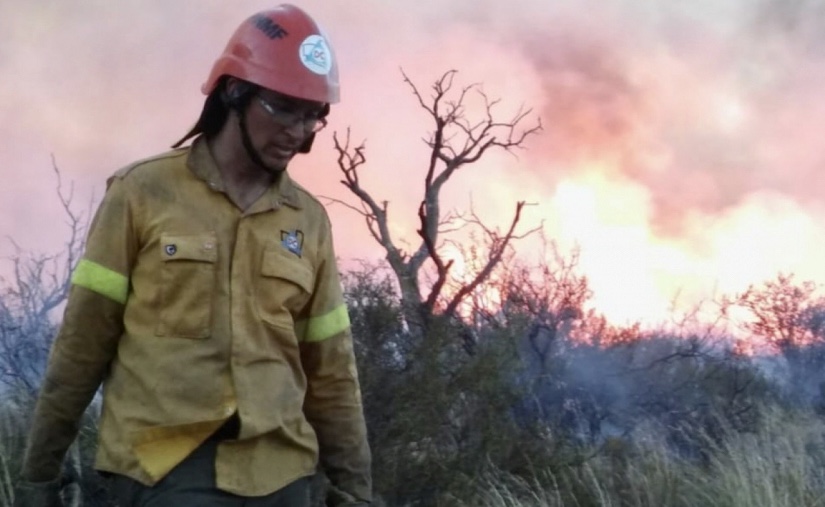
x: 320, y: 328
x: 95, y: 277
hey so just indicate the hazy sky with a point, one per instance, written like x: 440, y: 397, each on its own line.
x: 681, y: 151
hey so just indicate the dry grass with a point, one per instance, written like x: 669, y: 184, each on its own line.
x: 781, y: 465
x: 12, y: 434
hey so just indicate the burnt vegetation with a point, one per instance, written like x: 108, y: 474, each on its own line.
x: 531, y: 399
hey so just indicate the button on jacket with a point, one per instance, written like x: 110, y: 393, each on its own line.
x: 190, y: 310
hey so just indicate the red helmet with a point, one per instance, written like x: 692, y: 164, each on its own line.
x: 283, y: 50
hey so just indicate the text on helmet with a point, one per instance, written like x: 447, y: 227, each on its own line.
x: 270, y: 28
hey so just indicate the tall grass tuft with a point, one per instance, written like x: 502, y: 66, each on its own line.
x: 13, y: 428
x: 781, y: 464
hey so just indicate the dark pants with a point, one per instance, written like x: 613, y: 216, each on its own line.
x: 192, y: 484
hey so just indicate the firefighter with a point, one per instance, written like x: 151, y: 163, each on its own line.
x: 208, y: 304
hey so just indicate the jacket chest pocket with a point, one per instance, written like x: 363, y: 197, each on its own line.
x: 187, y: 284
x: 284, y: 287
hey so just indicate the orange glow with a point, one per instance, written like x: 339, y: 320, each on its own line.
x: 681, y: 150
x: 609, y: 222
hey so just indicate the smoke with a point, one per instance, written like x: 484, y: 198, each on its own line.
x: 681, y: 142
x: 680, y: 148
x: 701, y: 111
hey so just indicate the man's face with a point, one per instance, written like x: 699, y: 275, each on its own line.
x: 279, y: 125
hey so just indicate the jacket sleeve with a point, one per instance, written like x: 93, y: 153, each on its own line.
x: 333, y: 400
x: 87, y: 341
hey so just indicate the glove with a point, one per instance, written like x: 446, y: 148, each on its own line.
x: 38, y: 494
x: 338, y: 498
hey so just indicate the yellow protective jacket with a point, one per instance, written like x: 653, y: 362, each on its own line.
x: 189, y: 310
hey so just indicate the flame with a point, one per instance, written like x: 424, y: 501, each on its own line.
x: 640, y: 275
x: 683, y: 143
x: 609, y: 222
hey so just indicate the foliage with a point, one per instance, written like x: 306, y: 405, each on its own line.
x: 552, y: 389
x: 789, y: 318
x: 554, y: 406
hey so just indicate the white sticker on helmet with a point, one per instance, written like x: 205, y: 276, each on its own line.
x: 315, y: 55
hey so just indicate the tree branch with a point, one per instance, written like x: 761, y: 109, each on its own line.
x: 376, y: 215
x: 497, y: 247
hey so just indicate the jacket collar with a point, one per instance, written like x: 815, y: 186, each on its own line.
x: 203, y: 165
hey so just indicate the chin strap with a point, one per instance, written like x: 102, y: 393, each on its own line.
x: 238, y: 99
x: 308, y: 141
x: 253, y: 154
x: 307, y: 145
x: 215, y: 110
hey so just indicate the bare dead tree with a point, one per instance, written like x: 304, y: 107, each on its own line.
x: 38, y: 285
x: 456, y: 141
